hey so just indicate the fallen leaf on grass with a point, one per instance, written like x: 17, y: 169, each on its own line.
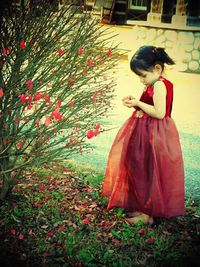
x: 142, y: 231
x: 45, y: 254
x: 75, y: 226
x: 51, y: 233
x: 86, y: 221
x: 44, y: 226
x: 150, y: 240
x: 13, y: 232
x: 21, y: 236
x: 93, y: 206
x: 116, y: 241
x: 79, y: 207
x: 166, y: 232
x: 36, y: 204
x: 61, y: 228
x: 107, y: 223
x: 31, y: 232
x: 68, y: 222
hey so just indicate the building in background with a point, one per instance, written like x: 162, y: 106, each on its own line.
x: 186, y: 12
x: 172, y: 24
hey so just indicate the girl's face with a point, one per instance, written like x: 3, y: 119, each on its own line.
x: 151, y: 76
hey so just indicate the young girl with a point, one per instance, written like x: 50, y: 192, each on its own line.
x: 145, y: 174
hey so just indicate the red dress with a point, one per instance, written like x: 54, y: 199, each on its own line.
x: 145, y: 165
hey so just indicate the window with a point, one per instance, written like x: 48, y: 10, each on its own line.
x: 140, y: 5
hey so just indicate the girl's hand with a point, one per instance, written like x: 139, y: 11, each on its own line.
x: 130, y: 102
x: 129, y: 97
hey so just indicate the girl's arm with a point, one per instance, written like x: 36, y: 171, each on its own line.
x: 159, y: 98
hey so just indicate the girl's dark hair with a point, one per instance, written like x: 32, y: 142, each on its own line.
x: 146, y: 57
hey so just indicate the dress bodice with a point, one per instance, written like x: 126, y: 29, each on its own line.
x: 147, y: 96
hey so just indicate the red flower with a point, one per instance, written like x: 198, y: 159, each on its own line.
x: 17, y: 121
x: 30, y: 98
x: 71, y: 140
x: 85, y: 221
x: 47, y: 121
x: 37, y: 122
x: 22, y: 44
x: 71, y: 80
x: 22, y: 98
x: 1, y: 92
x: 80, y: 51
x: 58, y: 104
x: 20, y: 144
x: 4, y: 52
x: 29, y: 84
x: 56, y: 115
x: 47, y: 98
x: 90, y: 134
x: 90, y: 63
x: 71, y: 103
x: 101, y: 92
x: 13, y: 232
x: 26, y: 120
x: 29, y: 106
x: 109, y: 52
x: 94, y: 96
x: 60, y: 52
x: 37, y: 96
x: 9, y: 50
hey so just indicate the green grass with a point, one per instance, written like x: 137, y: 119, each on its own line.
x: 56, y: 216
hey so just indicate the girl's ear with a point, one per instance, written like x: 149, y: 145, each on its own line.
x: 158, y: 68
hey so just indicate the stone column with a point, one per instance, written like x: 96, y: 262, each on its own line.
x: 180, y: 17
x: 155, y: 13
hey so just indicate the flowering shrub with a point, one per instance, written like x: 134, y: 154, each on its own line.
x: 55, y: 87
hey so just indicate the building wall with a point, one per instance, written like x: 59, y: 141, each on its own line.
x: 183, y: 46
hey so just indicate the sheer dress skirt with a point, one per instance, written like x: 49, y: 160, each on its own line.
x: 145, y: 168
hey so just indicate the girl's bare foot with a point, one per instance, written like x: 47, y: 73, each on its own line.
x: 142, y: 217
x: 133, y: 214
